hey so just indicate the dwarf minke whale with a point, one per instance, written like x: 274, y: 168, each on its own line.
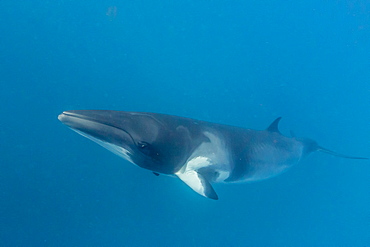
x: 197, y: 152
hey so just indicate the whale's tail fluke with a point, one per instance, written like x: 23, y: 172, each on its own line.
x: 324, y: 150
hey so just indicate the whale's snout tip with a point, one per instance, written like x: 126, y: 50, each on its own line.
x: 61, y: 116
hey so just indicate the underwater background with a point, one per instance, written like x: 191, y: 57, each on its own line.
x: 240, y: 63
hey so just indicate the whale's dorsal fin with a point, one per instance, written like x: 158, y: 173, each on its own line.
x: 274, y: 126
x: 198, y: 183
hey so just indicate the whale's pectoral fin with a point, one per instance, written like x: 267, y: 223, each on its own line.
x: 198, y: 183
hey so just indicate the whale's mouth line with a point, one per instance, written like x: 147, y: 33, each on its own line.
x: 85, y: 118
x: 72, y: 115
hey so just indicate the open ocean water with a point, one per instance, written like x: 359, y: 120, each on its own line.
x: 240, y: 63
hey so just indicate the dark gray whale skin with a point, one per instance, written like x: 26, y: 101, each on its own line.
x: 197, y: 152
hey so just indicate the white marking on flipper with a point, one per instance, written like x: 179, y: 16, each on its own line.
x: 198, y: 183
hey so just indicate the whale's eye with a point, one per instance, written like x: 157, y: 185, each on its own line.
x: 143, y: 145
x: 148, y: 150
x: 145, y: 148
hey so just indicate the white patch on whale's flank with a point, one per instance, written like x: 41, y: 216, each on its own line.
x: 212, y: 156
x: 120, y: 151
x: 198, y: 162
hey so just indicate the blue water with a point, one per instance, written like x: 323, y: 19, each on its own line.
x: 241, y: 63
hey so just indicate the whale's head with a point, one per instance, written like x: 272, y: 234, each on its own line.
x: 145, y: 139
